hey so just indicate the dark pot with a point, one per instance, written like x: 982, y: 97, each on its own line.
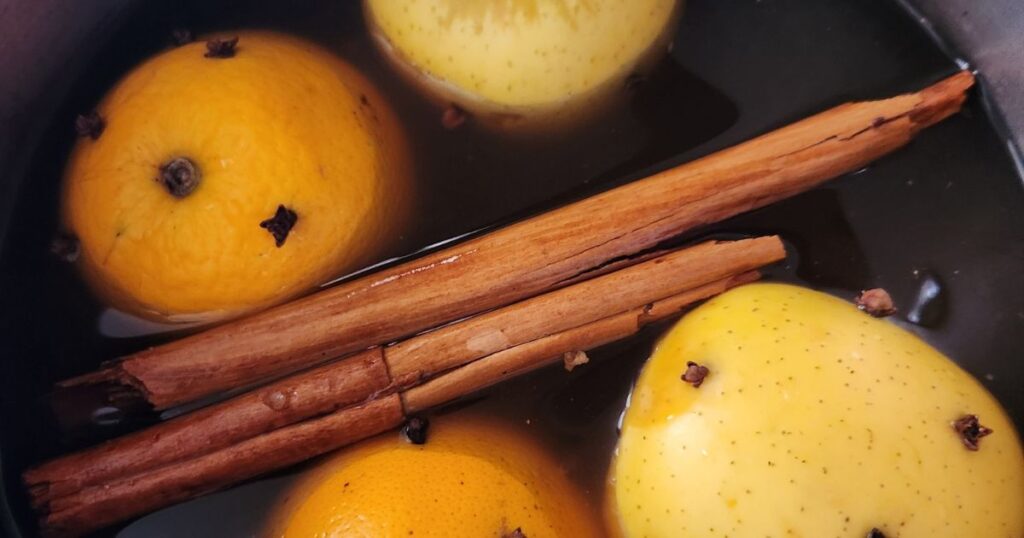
x: 963, y: 223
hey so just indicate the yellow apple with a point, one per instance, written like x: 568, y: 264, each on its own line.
x: 517, y: 63
x: 814, y: 420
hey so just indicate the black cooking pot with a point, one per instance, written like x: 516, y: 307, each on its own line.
x: 946, y: 214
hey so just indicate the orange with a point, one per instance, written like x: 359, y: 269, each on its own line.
x: 281, y: 127
x: 472, y: 478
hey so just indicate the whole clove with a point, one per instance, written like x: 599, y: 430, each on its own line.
x: 453, y: 116
x: 876, y: 302
x: 970, y: 431
x: 572, y: 359
x: 66, y: 247
x: 90, y: 125
x: 221, y: 48
x: 182, y: 36
x: 415, y: 430
x: 695, y: 373
x: 280, y: 225
x: 635, y: 81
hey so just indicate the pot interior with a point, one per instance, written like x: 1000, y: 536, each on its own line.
x: 948, y: 211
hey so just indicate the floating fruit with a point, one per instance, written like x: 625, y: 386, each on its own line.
x: 226, y: 176
x: 470, y: 478
x: 812, y: 418
x: 523, y: 62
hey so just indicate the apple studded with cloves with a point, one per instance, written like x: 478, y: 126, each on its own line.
x: 812, y: 419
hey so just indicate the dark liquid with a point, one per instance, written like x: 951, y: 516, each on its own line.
x: 949, y: 209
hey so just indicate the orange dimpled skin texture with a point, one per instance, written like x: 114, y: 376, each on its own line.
x: 280, y: 123
x: 471, y: 479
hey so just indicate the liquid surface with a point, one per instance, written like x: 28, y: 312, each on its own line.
x: 949, y: 209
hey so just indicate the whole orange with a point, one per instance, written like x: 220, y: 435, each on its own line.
x: 473, y: 478
x: 229, y: 179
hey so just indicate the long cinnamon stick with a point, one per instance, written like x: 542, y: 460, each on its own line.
x: 549, y: 250
x: 369, y: 373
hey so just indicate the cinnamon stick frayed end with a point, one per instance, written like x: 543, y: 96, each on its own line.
x: 942, y: 99
x: 114, y: 384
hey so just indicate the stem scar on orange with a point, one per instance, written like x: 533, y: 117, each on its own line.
x: 212, y: 182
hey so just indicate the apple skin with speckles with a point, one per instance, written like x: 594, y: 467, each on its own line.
x: 524, y: 66
x: 814, y: 420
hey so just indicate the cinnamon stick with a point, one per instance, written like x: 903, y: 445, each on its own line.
x: 423, y: 356
x: 533, y: 256
x: 117, y: 498
x: 518, y: 360
x: 376, y: 371
x: 326, y: 389
x: 101, y: 505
